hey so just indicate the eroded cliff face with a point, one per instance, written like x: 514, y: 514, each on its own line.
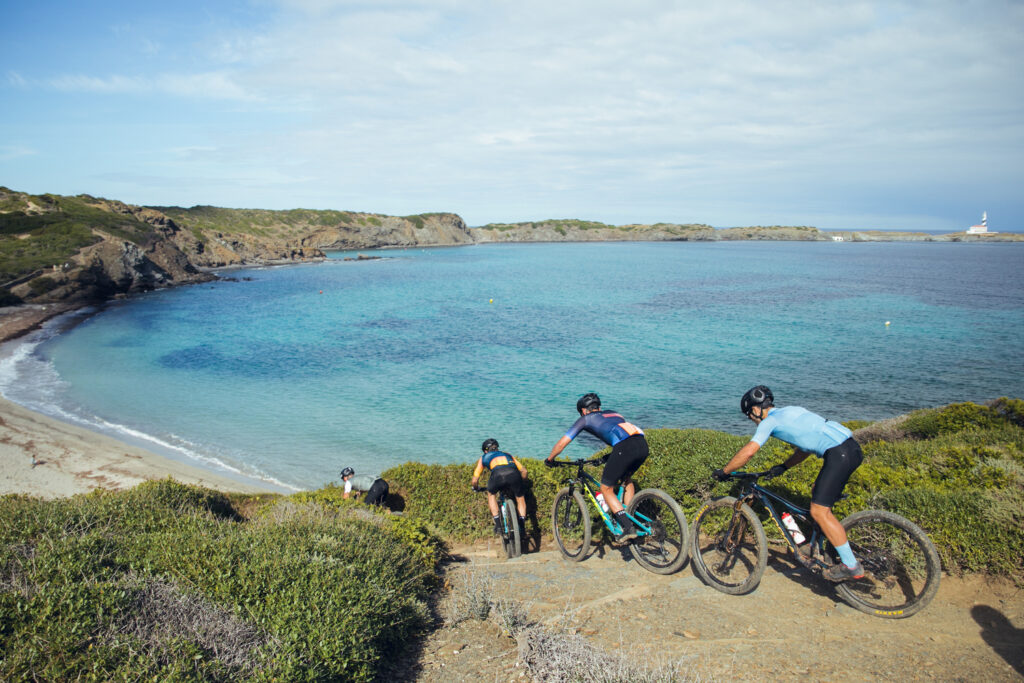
x: 127, y: 249
x: 367, y: 231
x: 587, y: 231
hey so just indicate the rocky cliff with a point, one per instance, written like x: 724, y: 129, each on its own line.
x: 83, y: 248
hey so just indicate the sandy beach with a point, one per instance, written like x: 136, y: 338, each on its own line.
x: 45, y: 457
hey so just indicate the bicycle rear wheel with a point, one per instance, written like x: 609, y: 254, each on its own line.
x: 665, y: 549
x: 512, y: 540
x: 901, y: 565
x: 730, y: 550
x: 570, y: 521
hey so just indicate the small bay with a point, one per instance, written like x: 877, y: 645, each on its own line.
x: 291, y: 373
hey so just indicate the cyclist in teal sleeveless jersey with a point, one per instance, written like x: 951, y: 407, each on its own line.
x: 629, y: 451
x: 507, y: 473
x: 809, y: 433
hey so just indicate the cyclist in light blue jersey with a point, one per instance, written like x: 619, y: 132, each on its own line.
x: 629, y: 451
x: 810, y: 433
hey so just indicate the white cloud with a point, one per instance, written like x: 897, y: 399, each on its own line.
x: 210, y: 85
x: 605, y: 101
x: 12, y: 152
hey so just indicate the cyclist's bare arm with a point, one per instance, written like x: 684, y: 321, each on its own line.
x: 559, y: 447
x: 742, y: 456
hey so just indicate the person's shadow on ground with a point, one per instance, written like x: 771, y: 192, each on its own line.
x: 1003, y: 637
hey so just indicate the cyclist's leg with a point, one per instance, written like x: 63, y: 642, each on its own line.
x: 494, y: 484
x: 840, y: 462
x: 516, y: 488
x: 626, y: 458
x: 378, y: 493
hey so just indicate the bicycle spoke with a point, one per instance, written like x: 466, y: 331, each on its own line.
x: 571, y: 529
x: 661, y: 546
x: 729, y: 552
x: 896, y: 566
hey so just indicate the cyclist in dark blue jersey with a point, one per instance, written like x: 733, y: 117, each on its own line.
x: 810, y: 433
x: 505, y: 473
x: 629, y: 451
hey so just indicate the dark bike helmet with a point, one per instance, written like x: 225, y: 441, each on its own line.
x: 348, y: 471
x: 590, y: 400
x: 758, y: 396
x: 489, y: 445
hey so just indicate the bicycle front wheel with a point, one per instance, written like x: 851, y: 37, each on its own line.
x: 730, y: 550
x: 901, y: 565
x: 512, y: 542
x: 665, y: 548
x: 570, y: 522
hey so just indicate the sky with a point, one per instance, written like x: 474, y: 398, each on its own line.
x: 841, y: 115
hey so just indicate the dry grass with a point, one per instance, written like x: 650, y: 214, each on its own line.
x: 162, y: 611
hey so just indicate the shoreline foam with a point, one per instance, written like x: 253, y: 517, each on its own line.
x: 44, y: 456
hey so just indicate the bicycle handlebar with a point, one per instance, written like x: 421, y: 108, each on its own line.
x: 748, y: 476
x: 575, y: 463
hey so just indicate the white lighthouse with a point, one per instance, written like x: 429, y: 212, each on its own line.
x: 982, y: 228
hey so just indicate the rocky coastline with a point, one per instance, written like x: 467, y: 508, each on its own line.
x: 74, y: 251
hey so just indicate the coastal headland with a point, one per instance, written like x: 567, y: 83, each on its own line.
x: 84, y: 249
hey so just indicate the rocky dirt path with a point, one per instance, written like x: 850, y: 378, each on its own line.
x: 791, y: 627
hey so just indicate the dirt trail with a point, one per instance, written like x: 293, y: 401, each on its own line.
x: 793, y: 626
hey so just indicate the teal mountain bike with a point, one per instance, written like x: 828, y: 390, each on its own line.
x: 662, y: 543
x: 511, y: 539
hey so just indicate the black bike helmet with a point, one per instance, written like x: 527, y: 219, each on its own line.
x: 590, y: 400
x: 348, y: 471
x: 489, y: 445
x: 758, y: 396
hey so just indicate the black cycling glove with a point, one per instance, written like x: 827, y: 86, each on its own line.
x: 549, y: 463
x: 777, y: 471
x: 720, y: 475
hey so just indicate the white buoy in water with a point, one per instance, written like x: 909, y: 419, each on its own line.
x: 887, y: 323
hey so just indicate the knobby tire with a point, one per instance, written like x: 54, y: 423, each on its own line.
x: 729, y: 552
x: 901, y: 565
x: 570, y: 521
x: 666, y: 549
x: 513, y: 541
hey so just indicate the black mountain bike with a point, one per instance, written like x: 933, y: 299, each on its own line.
x: 901, y: 565
x: 511, y: 541
x: 662, y: 544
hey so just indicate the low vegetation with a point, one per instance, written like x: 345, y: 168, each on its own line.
x: 958, y: 471
x: 173, y: 582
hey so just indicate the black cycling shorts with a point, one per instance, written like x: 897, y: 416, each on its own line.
x: 378, y: 493
x: 506, y: 477
x: 840, y: 462
x: 624, y: 460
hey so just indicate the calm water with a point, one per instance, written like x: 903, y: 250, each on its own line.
x: 304, y: 369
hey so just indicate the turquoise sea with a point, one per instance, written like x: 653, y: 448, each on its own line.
x: 290, y: 373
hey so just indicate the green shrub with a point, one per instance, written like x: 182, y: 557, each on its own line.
x: 927, y: 424
x: 1011, y: 409
x: 973, y: 453
x: 304, y: 591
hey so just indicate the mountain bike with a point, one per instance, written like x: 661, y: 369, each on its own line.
x: 730, y: 550
x: 511, y: 541
x: 662, y: 543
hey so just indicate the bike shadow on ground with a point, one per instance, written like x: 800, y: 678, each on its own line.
x: 602, y: 546
x: 781, y: 561
x: 1005, y: 639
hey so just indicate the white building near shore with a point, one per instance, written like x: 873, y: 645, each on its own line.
x: 981, y: 229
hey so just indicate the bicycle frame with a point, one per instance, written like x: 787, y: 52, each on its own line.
x: 752, y: 491
x: 592, y: 486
